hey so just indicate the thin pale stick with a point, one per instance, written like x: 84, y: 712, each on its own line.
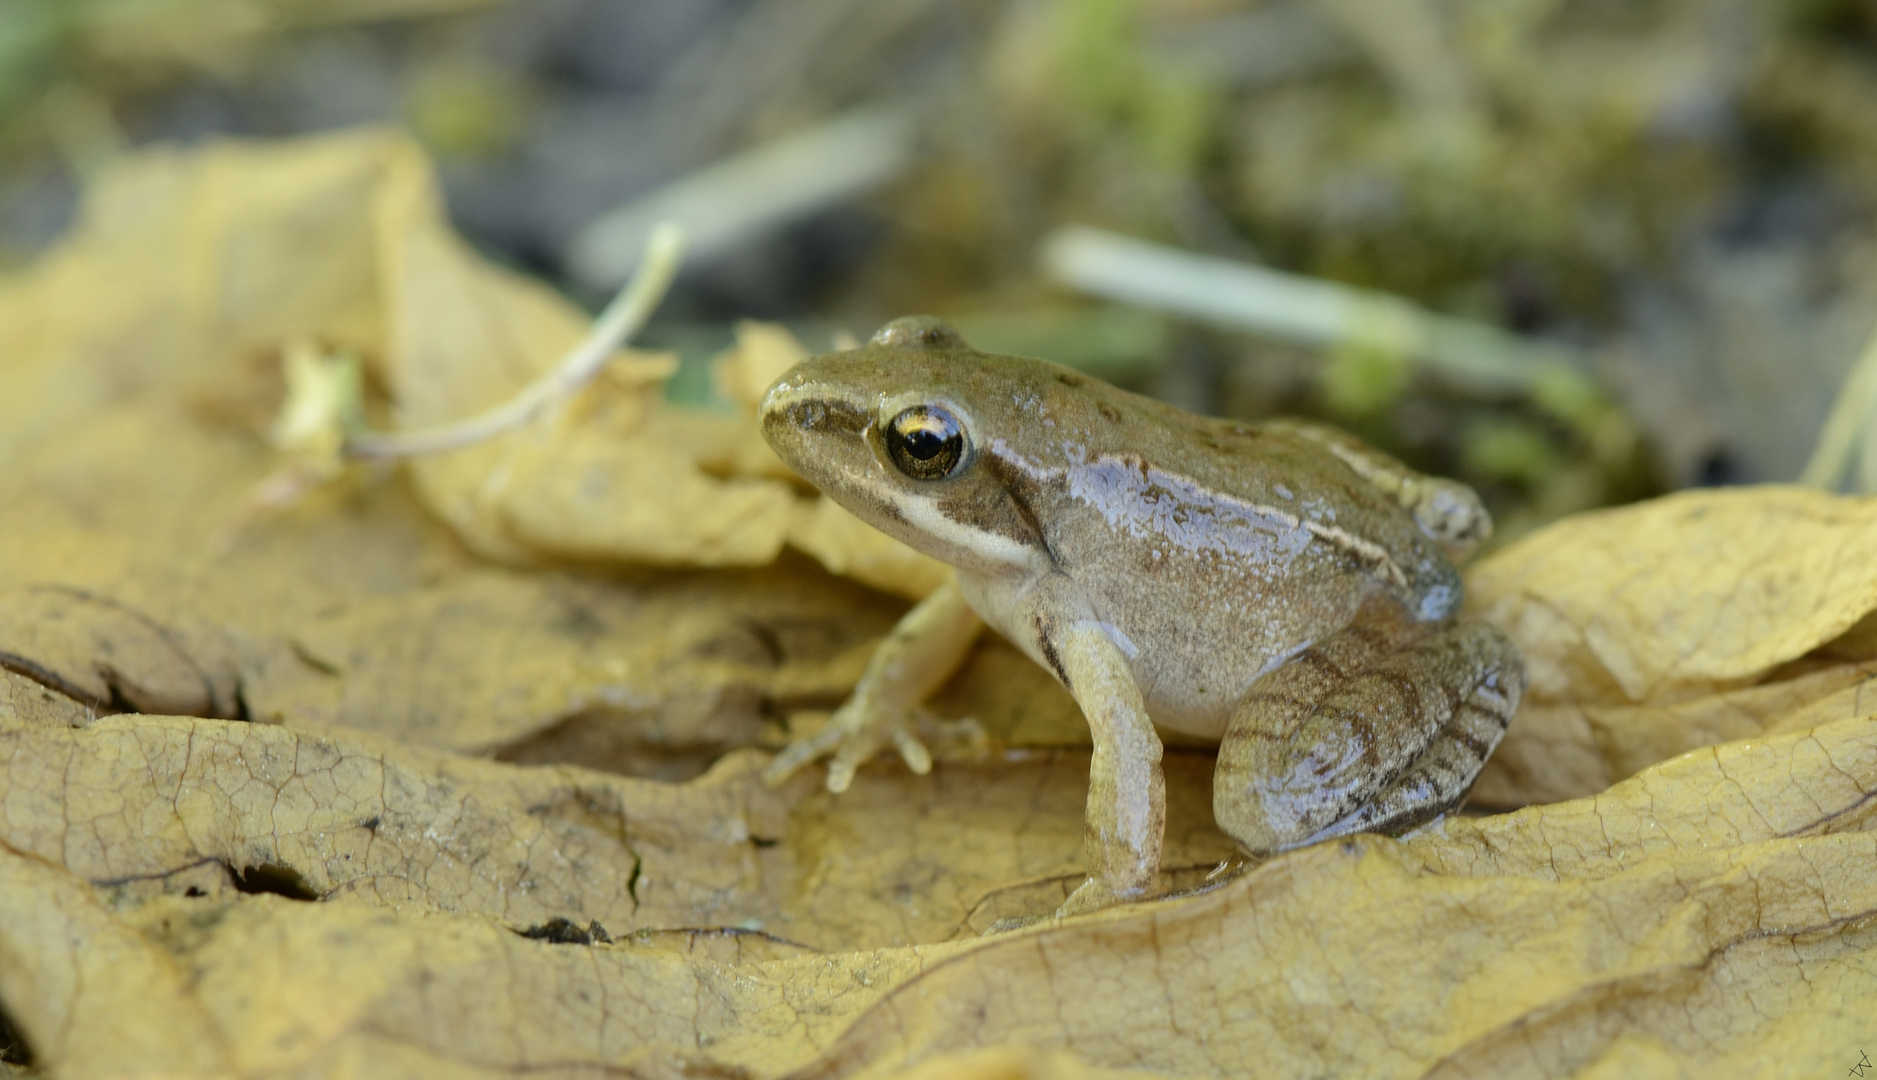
x: 1838, y: 440
x: 616, y: 324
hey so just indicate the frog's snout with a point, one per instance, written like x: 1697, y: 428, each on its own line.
x: 786, y: 408
x: 795, y: 417
x: 771, y: 408
x: 774, y: 415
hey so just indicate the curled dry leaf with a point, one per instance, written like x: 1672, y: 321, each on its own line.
x: 1715, y: 909
x: 356, y: 610
x: 852, y: 548
x: 607, y: 481
x: 762, y: 353
x: 1654, y: 629
x: 462, y: 335
x: 142, y: 361
x: 1683, y: 596
x: 394, y: 838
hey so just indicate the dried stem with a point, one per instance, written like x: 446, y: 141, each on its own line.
x: 1850, y: 420
x: 622, y: 318
x: 1304, y: 311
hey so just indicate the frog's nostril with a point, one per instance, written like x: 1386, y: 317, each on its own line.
x: 807, y: 415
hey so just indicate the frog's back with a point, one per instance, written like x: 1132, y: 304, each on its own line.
x: 1129, y: 455
x: 1216, y: 549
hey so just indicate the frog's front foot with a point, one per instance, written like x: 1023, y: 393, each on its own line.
x: 853, y: 734
x: 926, y: 647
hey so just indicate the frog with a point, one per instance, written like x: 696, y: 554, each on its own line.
x: 1279, y: 588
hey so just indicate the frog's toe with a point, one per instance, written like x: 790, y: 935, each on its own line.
x: 847, y: 760
x: 799, y: 753
x: 866, y: 740
x: 840, y: 776
x: 912, y: 751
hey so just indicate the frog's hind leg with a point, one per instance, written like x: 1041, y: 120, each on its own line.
x: 1378, y: 727
x: 1438, y: 780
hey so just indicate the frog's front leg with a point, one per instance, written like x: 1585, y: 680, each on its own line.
x: 925, y: 647
x: 1126, y: 818
x: 1379, y: 727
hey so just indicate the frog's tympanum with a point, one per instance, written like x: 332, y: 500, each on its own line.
x: 1279, y: 587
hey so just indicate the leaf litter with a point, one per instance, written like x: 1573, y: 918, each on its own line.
x: 453, y: 771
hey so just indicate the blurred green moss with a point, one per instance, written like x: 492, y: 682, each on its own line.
x: 463, y: 109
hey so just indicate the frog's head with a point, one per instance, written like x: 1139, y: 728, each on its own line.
x: 899, y: 433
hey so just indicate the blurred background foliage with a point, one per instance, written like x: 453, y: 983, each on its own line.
x: 1652, y: 219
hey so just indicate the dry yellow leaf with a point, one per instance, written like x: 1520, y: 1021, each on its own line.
x: 763, y: 351
x: 394, y: 839
x: 1674, y: 624
x: 141, y: 360
x: 1563, y: 750
x: 348, y: 817
x: 180, y: 262
x: 546, y: 492
x: 463, y: 335
x: 66, y: 962
x: 1721, y: 908
x: 357, y: 610
x: 852, y: 548
x: 1681, y: 596
x: 342, y: 240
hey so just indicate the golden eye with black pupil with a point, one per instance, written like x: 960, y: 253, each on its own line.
x: 925, y: 442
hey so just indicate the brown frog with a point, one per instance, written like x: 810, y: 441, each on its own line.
x: 1279, y: 587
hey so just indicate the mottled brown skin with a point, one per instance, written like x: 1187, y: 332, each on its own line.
x: 1279, y: 587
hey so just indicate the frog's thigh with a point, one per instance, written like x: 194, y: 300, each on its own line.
x: 1127, y: 794
x: 1374, y: 728
x: 1438, y: 780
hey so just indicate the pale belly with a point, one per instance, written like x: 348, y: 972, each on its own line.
x: 1195, y: 642
x: 1194, y: 663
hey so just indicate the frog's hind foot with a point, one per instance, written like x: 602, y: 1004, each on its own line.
x: 1377, y: 728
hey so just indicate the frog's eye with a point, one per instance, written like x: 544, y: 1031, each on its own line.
x: 925, y: 442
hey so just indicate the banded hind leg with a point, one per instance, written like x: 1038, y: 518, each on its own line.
x: 1378, y: 727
